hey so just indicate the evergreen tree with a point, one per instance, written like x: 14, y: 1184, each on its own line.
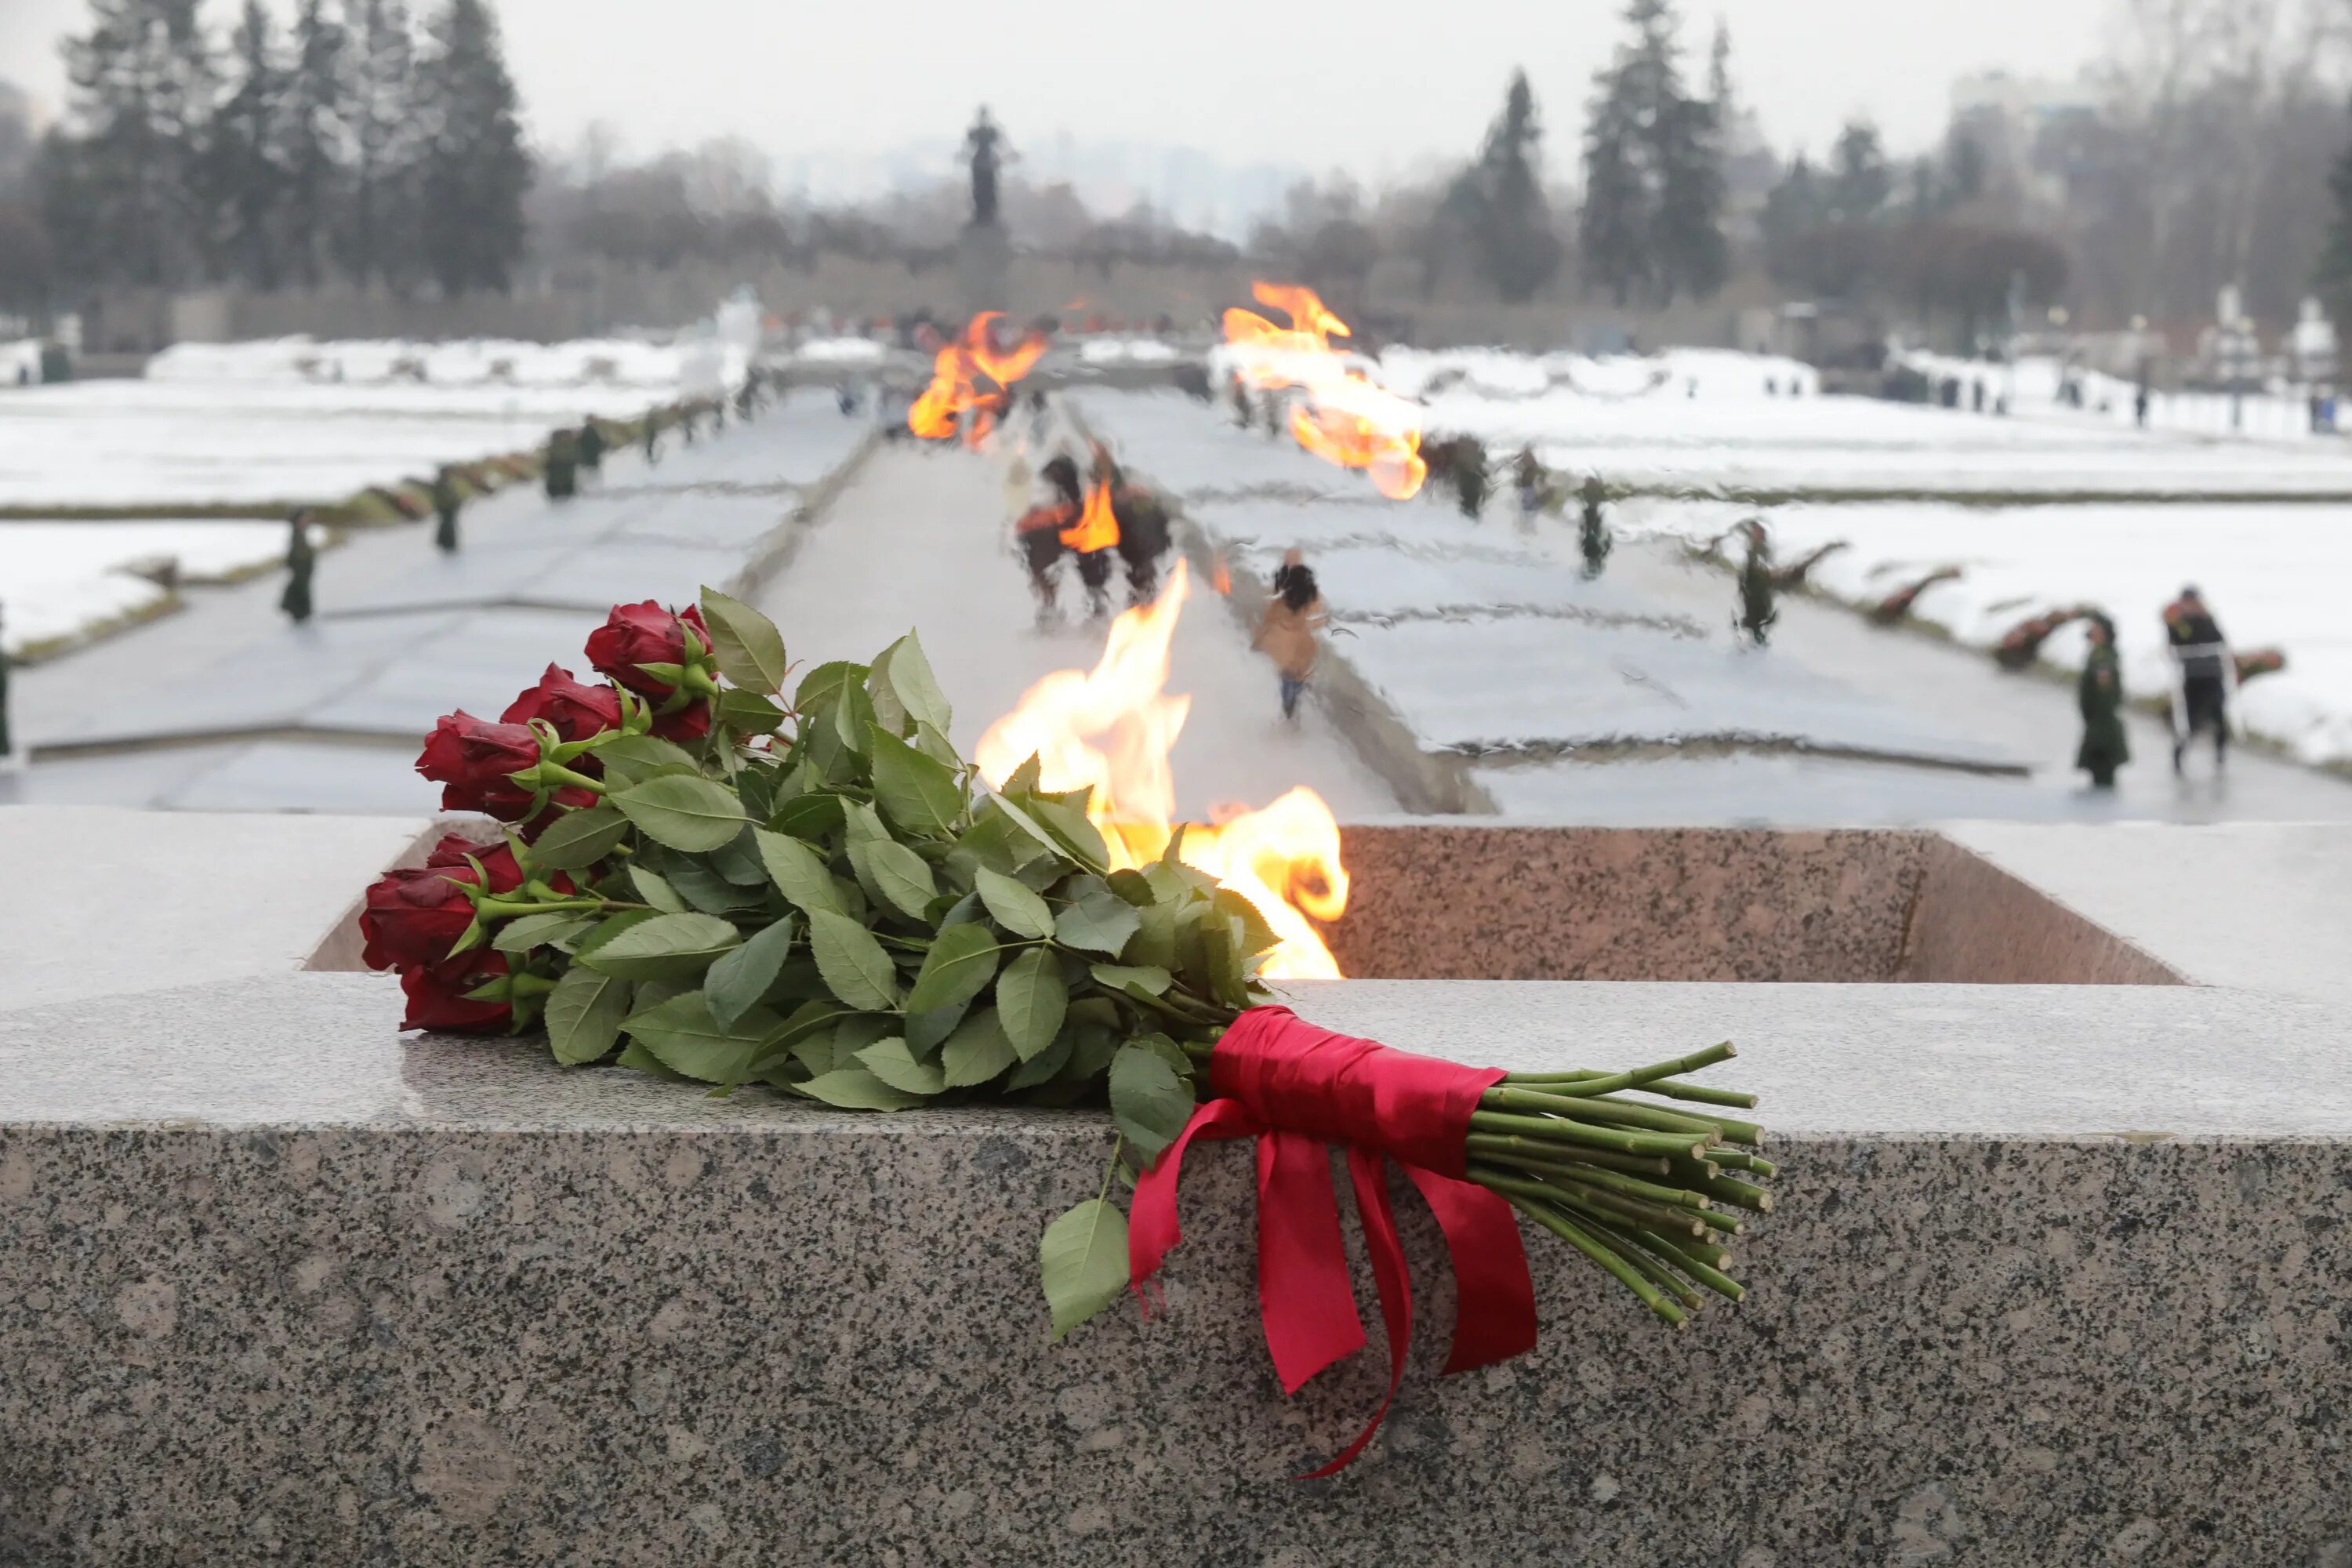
x: 142, y: 89
x: 476, y: 170
x: 378, y: 237
x: 2333, y: 274
x: 245, y: 181
x: 312, y: 127
x: 1613, y: 231
x: 1692, y: 256
x: 1654, y: 169
x: 1503, y: 196
x: 1862, y: 182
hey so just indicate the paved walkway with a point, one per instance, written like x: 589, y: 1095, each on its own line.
x: 920, y: 539
x: 226, y: 705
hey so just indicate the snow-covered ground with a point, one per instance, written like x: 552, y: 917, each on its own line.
x: 292, y: 420
x: 57, y: 578
x: 474, y: 362
x: 20, y: 364
x: 2276, y: 414
x: 96, y: 444
x: 2275, y: 575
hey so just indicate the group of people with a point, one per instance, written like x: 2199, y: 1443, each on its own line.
x: 2207, y: 678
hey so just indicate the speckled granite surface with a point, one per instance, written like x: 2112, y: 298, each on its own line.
x: 376, y: 1301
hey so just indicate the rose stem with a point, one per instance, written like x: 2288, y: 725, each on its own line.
x: 1628, y: 1208
x: 1561, y: 1226
x: 1553, y: 1130
x: 1493, y: 1145
x: 1606, y: 1083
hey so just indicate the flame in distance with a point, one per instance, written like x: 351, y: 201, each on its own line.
x: 1110, y: 730
x: 1346, y: 417
x: 956, y: 374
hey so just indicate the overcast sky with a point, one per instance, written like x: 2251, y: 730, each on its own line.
x: 1387, y: 86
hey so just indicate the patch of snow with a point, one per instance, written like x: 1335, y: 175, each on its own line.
x: 56, y: 578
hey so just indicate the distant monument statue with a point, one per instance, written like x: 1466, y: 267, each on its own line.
x: 984, y: 252
x: 985, y: 149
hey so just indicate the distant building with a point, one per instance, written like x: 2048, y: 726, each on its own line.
x: 2028, y: 129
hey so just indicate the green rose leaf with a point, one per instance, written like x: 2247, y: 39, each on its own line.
x: 741, y: 977
x: 823, y: 687
x: 856, y: 968
x: 895, y: 1065
x: 689, y: 813
x: 1149, y: 979
x: 976, y: 1052
x: 917, y: 793
x: 662, y: 947
x: 578, y: 840
x: 927, y: 1031
x: 1148, y: 1101
x: 583, y: 1014
x: 539, y: 931
x: 856, y: 1089
x: 748, y: 712
x: 1013, y: 906
x: 1082, y: 1262
x: 1041, y: 1068
x: 747, y: 647
x: 687, y: 1040
x: 1068, y: 824
x: 961, y: 964
x: 654, y: 891
x: 633, y: 759
x: 809, y: 816
x: 1031, y: 1002
x: 799, y: 872
x: 913, y: 684
x: 1099, y: 921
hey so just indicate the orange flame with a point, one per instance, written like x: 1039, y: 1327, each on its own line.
x: 1111, y: 730
x: 1097, y: 528
x: 955, y: 373
x: 1346, y: 418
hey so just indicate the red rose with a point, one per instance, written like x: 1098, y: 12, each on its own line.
x: 413, y: 917
x: 690, y: 722
x: 473, y: 759
x: 497, y: 863
x: 576, y: 711
x: 644, y: 633
x: 436, y: 994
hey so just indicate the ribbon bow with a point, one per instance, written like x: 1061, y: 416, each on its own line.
x: 1293, y: 1087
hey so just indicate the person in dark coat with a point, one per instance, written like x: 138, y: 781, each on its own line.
x: 1592, y: 540
x: 1528, y: 478
x: 302, y: 561
x: 1243, y: 412
x: 1470, y: 476
x: 689, y: 417
x: 651, y: 436
x: 1759, y: 592
x: 446, y: 498
x: 591, y: 446
x: 1039, y: 530
x: 1143, y: 532
x: 7, y: 747
x: 2100, y: 695
x: 562, y: 472
x: 2208, y: 671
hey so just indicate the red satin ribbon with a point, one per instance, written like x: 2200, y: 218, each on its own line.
x: 1294, y: 1086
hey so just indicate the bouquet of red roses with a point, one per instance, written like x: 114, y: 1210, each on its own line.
x: 705, y: 877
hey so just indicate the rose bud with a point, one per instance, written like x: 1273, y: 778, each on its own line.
x: 576, y: 711
x: 436, y: 994
x: 636, y: 634
x: 474, y: 761
x: 415, y: 917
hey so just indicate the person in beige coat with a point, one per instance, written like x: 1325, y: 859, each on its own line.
x: 1289, y: 633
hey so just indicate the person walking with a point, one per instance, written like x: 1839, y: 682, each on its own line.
x: 1289, y: 632
x: 2099, y: 693
x: 1592, y: 540
x: 2206, y: 676
x: 651, y: 433
x: 1039, y: 531
x: 592, y: 447
x: 446, y: 498
x: 302, y: 561
x: 1758, y: 591
x: 562, y: 472
x: 8, y: 758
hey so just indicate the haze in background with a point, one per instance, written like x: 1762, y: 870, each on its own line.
x: 856, y: 94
